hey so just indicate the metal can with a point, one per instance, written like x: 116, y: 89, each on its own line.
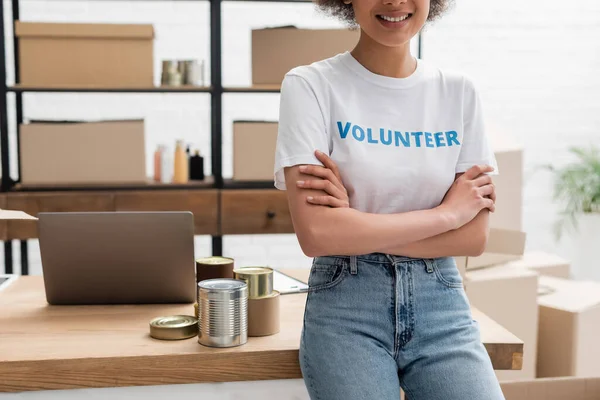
x: 212, y: 268
x: 259, y: 280
x: 169, y: 67
x: 223, y: 312
x: 191, y: 72
x: 175, y: 79
x: 174, y: 327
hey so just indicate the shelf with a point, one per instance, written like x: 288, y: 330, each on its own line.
x: 231, y: 184
x: 98, y: 89
x: 207, y: 183
x: 202, y: 203
x: 274, y: 88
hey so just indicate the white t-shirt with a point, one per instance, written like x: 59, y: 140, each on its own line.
x: 398, y: 142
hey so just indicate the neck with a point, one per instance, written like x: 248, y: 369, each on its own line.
x: 395, y: 62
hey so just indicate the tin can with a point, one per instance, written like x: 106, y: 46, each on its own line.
x: 174, y: 327
x: 223, y: 312
x: 263, y: 315
x: 212, y: 268
x: 259, y: 280
x: 175, y: 79
x: 169, y: 67
x: 191, y: 72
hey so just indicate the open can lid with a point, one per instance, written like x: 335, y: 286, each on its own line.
x: 174, y: 327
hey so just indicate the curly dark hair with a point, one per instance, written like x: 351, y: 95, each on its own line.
x: 345, y: 12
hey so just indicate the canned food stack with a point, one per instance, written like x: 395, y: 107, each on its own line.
x: 263, y: 301
x: 182, y: 72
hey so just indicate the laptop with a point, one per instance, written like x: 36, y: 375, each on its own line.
x: 117, y: 257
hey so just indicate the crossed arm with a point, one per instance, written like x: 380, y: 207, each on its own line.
x: 325, y: 225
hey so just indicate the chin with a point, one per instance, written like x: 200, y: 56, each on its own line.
x: 392, y: 40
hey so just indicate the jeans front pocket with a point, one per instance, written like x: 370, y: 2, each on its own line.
x: 447, y: 272
x: 327, y: 272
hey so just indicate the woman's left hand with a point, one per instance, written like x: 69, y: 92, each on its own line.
x: 330, y: 183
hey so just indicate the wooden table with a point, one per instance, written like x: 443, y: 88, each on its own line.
x: 66, y: 347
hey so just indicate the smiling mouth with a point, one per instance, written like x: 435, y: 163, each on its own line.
x: 394, y: 19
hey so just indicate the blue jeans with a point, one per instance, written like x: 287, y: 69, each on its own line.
x: 375, y: 323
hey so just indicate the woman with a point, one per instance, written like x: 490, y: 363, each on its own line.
x: 387, y: 170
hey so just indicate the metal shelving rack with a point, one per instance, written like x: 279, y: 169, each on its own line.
x: 216, y: 91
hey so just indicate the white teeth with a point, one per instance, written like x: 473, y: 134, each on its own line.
x: 397, y: 19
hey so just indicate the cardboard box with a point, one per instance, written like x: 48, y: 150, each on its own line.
x: 509, y: 181
x: 503, y: 246
x: 508, y: 295
x: 545, y: 263
x: 569, y: 328
x: 8, y: 215
x: 254, y: 150
x: 15, y: 214
x: 553, y: 389
x: 461, y: 264
x: 275, y: 51
x: 97, y: 55
x: 83, y: 153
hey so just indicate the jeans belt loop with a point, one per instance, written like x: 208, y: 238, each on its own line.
x: 353, y: 265
x: 429, y: 264
x: 391, y: 258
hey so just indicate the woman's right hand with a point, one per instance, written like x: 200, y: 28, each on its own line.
x: 470, y: 193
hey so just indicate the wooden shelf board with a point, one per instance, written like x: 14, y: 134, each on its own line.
x: 274, y: 88
x: 207, y: 183
x: 116, y: 89
x: 233, y: 184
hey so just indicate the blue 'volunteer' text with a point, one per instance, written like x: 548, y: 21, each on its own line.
x: 390, y: 137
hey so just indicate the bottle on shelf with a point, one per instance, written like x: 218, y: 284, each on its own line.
x: 197, y: 167
x: 180, y: 165
x: 166, y: 166
x: 158, y: 153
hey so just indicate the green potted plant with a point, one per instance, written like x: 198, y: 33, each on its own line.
x: 577, y: 190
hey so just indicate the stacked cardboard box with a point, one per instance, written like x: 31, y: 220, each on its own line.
x: 254, y: 150
x: 72, y: 153
x: 95, y: 55
x: 569, y: 328
x: 507, y: 241
x: 545, y: 263
x: 508, y: 295
x: 275, y: 51
x: 553, y: 389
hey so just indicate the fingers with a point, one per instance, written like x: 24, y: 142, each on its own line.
x: 482, y: 180
x: 477, y: 170
x: 487, y: 190
x: 325, y: 185
x: 328, y: 163
x: 321, y: 172
x: 328, y: 201
x: 489, y: 204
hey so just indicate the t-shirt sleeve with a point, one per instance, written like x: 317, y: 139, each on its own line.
x: 302, y: 127
x: 476, y: 148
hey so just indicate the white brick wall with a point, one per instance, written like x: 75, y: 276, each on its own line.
x: 535, y: 63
